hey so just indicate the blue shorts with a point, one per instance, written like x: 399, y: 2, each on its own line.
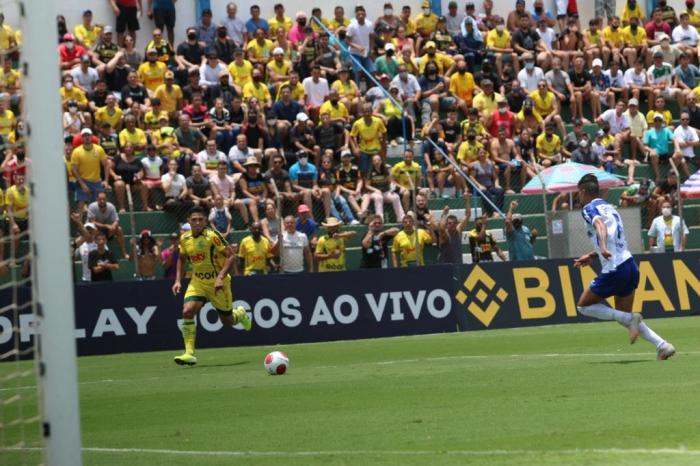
x: 621, y: 282
x: 94, y: 187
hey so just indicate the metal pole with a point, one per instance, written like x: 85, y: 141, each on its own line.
x: 680, y: 198
x: 53, y: 285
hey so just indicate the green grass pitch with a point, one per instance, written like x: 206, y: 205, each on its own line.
x: 562, y: 395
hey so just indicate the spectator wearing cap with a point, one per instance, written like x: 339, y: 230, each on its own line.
x: 83, y: 244
x: 304, y: 178
x: 549, y: 146
x: 360, y: 38
x: 127, y: 13
x: 670, y: 51
x: 87, y: 33
x: 530, y: 75
x: 279, y: 20
x: 189, y: 54
x: 306, y: 224
x: 572, y: 139
x: 659, y: 143
x: 528, y: 117
x: 387, y: 63
x: 330, y: 249
x: 444, y: 40
x: 637, y: 194
x: 87, y: 162
x: 601, y: 93
x: 519, y: 237
x: 638, y: 126
x: 255, y: 22
x: 152, y: 72
x: 297, y: 35
x: 526, y: 40
x: 224, y: 45
x: 425, y: 21
x: 169, y: 95
x: 69, y: 52
x: 278, y: 69
x: 499, y: 44
x: 210, y: 70
x: 301, y: 135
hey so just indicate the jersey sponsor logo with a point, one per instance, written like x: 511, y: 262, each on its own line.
x: 199, y: 257
x: 205, y: 275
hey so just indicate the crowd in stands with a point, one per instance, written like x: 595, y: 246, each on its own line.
x: 256, y: 118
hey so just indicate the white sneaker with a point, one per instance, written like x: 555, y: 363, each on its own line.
x: 634, y: 326
x: 666, y: 351
x: 354, y: 222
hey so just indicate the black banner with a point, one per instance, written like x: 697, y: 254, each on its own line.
x: 144, y: 316
x: 521, y: 294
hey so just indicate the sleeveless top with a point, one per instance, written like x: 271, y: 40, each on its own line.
x: 451, y: 251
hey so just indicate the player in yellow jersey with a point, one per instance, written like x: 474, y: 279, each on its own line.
x: 211, y: 259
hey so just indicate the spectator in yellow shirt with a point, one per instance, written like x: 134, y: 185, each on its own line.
x: 170, y: 95
x: 69, y: 91
x: 548, y: 146
x: 462, y: 86
x: 260, y: 48
x: 255, y: 252
x: 426, y: 21
x: 110, y: 113
x: 241, y: 70
x: 498, y: 42
x: 152, y: 72
x: 368, y: 137
x: 279, y: 19
x: 134, y: 135
x: 407, y: 175
x: 258, y: 89
x: 547, y: 105
x: 86, y: 162
x: 409, y: 244
x: 632, y: 9
x: 330, y: 249
x: 87, y: 33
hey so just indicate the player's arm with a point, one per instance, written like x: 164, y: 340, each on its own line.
x: 601, y: 232
x: 179, y: 269
x: 228, y: 265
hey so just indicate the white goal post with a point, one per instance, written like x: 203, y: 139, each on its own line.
x: 50, y: 237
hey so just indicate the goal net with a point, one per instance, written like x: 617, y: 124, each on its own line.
x: 39, y: 419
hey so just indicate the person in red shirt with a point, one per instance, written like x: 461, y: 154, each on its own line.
x: 69, y: 52
x: 14, y: 164
x: 197, y: 112
x: 656, y: 26
x: 502, y: 117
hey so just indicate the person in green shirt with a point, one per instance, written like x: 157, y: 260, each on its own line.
x: 387, y: 63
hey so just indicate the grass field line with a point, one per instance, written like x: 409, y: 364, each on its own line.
x: 399, y: 361
x: 317, y: 453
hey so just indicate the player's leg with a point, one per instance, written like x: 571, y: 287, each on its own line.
x: 191, y: 307
x: 664, y: 349
x: 223, y: 303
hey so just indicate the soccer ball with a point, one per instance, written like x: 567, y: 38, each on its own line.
x: 276, y: 363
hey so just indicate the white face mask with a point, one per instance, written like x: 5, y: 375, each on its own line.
x: 502, y: 109
x: 427, y: 11
x: 666, y: 211
x: 70, y: 45
x: 72, y: 109
x: 500, y: 27
x: 303, y: 161
x: 69, y: 86
x: 388, y: 12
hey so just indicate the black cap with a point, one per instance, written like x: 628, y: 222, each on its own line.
x: 87, y: 13
x: 207, y: 11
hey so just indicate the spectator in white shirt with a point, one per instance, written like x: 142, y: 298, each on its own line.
x: 530, y: 75
x: 293, y: 249
x: 210, y: 71
x: 685, y: 36
x: 315, y: 92
x: 210, y: 157
x: 409, y: 89
x: 637, y: 82
x: 687, y: 139
x: 84, y: 76
x: 667, y: 233
x: 360, y: 37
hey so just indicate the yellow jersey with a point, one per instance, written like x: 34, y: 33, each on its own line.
x: 74, y: 94
x: 486, y: 104
x: 260, y: 91
x: 206, y: 253
x: 7, y: 36
x: 467, y: 152
x: 496, y: 40
x: 163, y: 136
x: 345, y: 90
x: 282, y: 69
x: 544, y: 105
x: 169, y: 97
x: 19, y: 201
x: 316, y: 27
x: 339, y: 111
x: 152, y: 75
x: 260, y: 51
x: 102, y: 115
x: 368, y: 136
x: 335, y: 24
x: 521, y: 115
x: 477, y: 126
x: 634, y: 39
x: 425, y: 24
x: 616, y: 38
x: 463, y: 86
x: 10, y: 79
x: 151, y: 118
x: 327, y: 245
x: 406, y: 176
x: 628, y: 14
x: 546, y: 146
x: 274, y: 23
x: 297, y: 90
x: 693, y: 16
x: 88, y: 162
x: 593, y: 38
x: 241, y: 74
x: 7, y: 121
x: 407, y: 246
x: 87, y: 36
x: 254, y: 254
x: 442, y: 60
x: 137, y: 138
x: 668, y: 117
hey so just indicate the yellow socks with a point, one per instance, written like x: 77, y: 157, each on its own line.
x: 189, y: 334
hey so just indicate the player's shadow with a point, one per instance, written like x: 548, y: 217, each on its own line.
x: 228, y: 364
x: 621, y: 362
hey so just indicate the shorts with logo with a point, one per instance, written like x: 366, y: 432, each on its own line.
x: 620, y: 282
x: 203, y: 291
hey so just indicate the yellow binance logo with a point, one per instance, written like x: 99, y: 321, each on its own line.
x: 480, y: 287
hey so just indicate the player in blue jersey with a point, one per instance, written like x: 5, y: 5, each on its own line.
x: 619, y: 275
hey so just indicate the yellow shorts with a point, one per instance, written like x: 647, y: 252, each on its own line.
x: 203, y: 291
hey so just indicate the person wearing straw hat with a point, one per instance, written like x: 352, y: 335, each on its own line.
x: 253, y: 187
x: 409, y: 244
x: 330, y: 249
